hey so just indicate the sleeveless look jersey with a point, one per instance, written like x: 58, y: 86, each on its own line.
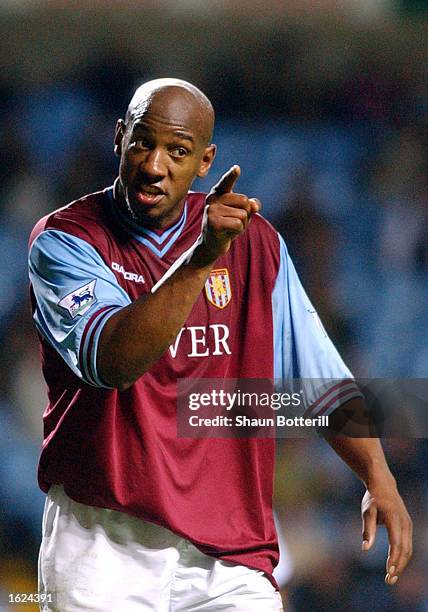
x: 119, y: 449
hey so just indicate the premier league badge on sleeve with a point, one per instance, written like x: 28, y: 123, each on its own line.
x: 217, y: 288
x: 80, y: 300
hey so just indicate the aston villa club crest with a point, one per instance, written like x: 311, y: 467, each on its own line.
x: 217, y: 288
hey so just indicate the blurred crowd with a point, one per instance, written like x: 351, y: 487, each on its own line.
x: 341, y: 168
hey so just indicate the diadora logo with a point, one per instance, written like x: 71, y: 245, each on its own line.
x: 132, y: 276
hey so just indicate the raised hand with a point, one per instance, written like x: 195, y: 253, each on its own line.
x: 227, y: 216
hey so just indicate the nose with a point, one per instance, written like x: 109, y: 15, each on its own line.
x: 154, y: 165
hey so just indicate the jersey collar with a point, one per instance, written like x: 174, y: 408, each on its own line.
x: 158, y: 243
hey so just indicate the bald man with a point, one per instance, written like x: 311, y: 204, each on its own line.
x: 134, y: 288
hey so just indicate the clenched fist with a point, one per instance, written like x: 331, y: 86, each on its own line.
x: 227, y: 215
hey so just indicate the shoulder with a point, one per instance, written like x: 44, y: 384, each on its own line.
x: 263, y: 238
x: 261, y: 226
x: 257, y: 250
x: 85, y: 218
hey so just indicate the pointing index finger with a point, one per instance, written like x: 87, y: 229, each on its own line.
x: 227, y: 181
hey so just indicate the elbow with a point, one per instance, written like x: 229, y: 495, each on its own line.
x: 113, y: 371
x: 120, y: 376
x: 118, y: 366
x: 123, y: 386
x: 116, y: 380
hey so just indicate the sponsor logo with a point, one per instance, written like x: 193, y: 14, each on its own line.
x: 80, y: 300
x: 204, y: 341
x: 131, y: 276
x: 217, y: 288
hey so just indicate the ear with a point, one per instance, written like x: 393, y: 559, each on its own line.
x: 207, y: 160
x: 118, y: 137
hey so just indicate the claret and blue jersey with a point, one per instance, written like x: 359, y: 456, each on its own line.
x: 119, y: 449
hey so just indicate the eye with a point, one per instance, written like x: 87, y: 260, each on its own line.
x: 139, y: 144
x: 179, y: 152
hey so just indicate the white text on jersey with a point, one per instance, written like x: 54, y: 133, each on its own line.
x: 132, y: 276
x: 198, y: 336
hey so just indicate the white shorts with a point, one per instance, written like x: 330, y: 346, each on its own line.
x: 103, y: 560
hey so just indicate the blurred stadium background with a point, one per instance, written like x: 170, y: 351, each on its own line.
x: 324, y: 104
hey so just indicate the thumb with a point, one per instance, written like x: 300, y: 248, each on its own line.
x: 227, y: 181
x: 369, y: 528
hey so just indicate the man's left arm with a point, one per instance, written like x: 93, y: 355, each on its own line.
x: 382, y: 503
x: 304, y: 353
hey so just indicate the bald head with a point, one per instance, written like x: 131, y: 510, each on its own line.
x: 186, y: 102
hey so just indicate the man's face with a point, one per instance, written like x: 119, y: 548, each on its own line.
x: 162, y: 149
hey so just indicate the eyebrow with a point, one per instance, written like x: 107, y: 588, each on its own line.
x: 179, y: 133
x: 183, y: 135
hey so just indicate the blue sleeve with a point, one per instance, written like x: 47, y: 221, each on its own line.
x: 304, y: 355
x: 76, y: 294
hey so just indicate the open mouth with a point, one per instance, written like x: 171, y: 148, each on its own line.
x: 149, y: 195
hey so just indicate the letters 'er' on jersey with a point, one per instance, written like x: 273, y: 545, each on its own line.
x: 119, y: 449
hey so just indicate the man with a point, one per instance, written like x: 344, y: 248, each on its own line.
x: 125, y: 303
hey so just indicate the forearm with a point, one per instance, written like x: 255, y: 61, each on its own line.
x: 350, y: 426
x: 136, y: 336
x: 381, y: 503
x: 365, y: 457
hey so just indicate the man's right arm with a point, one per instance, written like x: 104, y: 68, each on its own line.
x: 136, y: 336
